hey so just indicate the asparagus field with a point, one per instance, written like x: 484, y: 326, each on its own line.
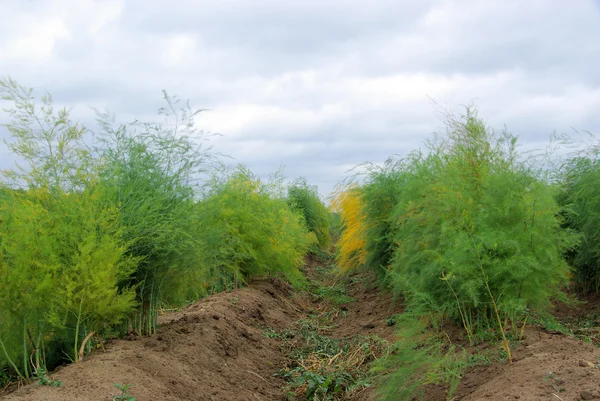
x: 135, y: 264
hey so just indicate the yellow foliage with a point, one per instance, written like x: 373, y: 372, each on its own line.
x: 351, y: 252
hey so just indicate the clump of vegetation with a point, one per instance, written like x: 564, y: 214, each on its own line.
x: 477, y: 232
x: 304, y: 199
x: 252, y: 231
x: 4, y: 378
x: 419, y: 358
x: 579, y: 183
x: 467, y: 230
x: 350, y: 248
x: 42, y: 379
x: 96, y: 236
x: 334, y: 293
x: 322, y: 368
x: 380, y: 195
x: 150, y: 172
x: 61, y: 259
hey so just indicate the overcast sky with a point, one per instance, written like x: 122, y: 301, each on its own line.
x: 315, y: 86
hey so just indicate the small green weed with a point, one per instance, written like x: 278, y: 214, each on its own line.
x: 502, y: 355
x: 589, y: 321
x: 124, y: 396
x: 337, y: 297
x: 357, y: 279
x: 335, y: 294
x: 585, y: 328
x: 279, y: 335
x: 550, y: 324
x: 478, y: 359
x: 42, y: 378
x: 555, y: 382
x: 317, y: 386
x: 487, y: 357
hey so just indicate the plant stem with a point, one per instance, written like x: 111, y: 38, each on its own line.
x: 25, y: 365
x: 500, y: 326
x: 75, y: 353
x: 522, y: 332
x: 85, y: 340
x: 10, y: 361
x: 460, y: 309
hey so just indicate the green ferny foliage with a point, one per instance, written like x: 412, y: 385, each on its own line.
x: 304, y: 199
x: 580, y: 197
x: 61, y: 259
x: 256, y: 231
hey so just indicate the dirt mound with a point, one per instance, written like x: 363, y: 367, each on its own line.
x: 547, y: 367
x: 216, y: 349
x: 212, y: 350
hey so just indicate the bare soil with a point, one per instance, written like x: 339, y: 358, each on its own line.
x: 212, y: 350
x: 216, y: 349
x: 370, y: 311
x: 546, y: 367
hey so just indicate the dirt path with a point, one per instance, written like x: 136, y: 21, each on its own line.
x: 367, y: 315
x: 370, y: 311
x: 217, y: 349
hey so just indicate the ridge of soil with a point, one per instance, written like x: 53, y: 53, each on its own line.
x: 212, y: 350
x: 546, y: 367
x: 216, y: 349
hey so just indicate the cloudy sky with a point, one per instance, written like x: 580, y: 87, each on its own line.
x: 315, y: 86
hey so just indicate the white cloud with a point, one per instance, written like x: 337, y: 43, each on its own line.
x: 178, y: 50
x: 317, y: 86
x: 38, y: 40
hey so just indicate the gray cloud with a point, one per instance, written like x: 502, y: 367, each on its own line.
x: 315, y: 86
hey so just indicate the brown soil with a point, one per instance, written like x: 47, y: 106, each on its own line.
x: 546, y: 367
x: 367, y: 316
x: 216, y: 350
x: 212, y: 350
x: 369, y: 313
x: 582, y: 307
